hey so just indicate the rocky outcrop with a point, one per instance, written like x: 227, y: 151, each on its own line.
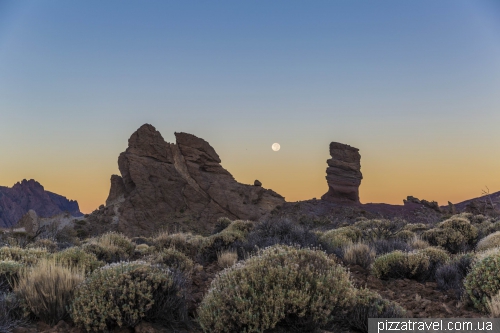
x: 180, y: 187
x: 29, y: 194
x: 343, y: 174
x: 429, y: 204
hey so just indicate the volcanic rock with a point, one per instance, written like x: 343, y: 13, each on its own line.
x: 257, y: 183
x: 29, y: 194
x: 180, y: 187
x: 343, y: 173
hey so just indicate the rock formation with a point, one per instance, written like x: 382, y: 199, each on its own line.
x: 343, y: 174
x: 180, y: 187
x: 29, y: 194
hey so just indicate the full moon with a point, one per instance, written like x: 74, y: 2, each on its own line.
x: 276, y: 146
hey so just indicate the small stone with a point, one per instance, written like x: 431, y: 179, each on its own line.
x: 257, y: 183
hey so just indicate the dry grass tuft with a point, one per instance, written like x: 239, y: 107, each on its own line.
x: 418, y: 243
x: 227, y: 258
x: 359, y: 254
x: 493, y: 306
x: 47, y: 289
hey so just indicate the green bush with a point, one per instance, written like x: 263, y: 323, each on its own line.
x: 483, y: 280
x: 405, y: 235
x: 122, y: 294
x: 454, y: 234
x: 25, y: 256
x: 369, y: 304
x: 77, y: 257
x: 282, y: 286
x: 399, y: 264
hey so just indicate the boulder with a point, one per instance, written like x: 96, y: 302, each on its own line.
x: 178, y: 186
x: 343, y: 174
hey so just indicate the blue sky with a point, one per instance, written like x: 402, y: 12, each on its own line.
x: 413, y: 84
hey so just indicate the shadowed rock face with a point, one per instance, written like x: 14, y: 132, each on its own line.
x: 179, y: 186
x: 343, y: 173
x: 29, y: 194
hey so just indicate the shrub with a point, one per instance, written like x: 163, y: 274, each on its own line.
x: 274, y: 231
x: 489, y: 242
x: 44, y: 243
x: 437, y: 257
x: 227, y: 258
x: 416, y: 227
x: 9, y: 273
x: 340, y: 237
x: 455, y: 234
x: 450, y: 276
x: 398, y: 264
x: 483, y: 281
x: 185, y: 242
x: 25, y: 256
x: 383, y: 246
x: 174, y: 259
x: 142, y: 240
x: 10, y: 317
x: 359, y: 254
x: 418, y: 243
x: 222, y: 223
x: 282, y: 286
x: 379, y: 228
x: 369, y: 304
x: 47, y: 289
x: 404, y: 235
x: 77, y: 257
x: 123, y: 294
x: 110, y: 247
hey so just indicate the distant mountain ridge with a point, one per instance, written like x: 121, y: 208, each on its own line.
x: 17, y: 200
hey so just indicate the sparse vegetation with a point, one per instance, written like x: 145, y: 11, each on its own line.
x: 359, y: 254
x: 227, y: 258
x: 483, y: 281
x: 400, y: 265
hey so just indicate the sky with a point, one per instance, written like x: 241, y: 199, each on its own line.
x: 415, y: 85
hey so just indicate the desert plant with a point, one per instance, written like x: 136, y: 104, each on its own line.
x: 455, y: 234
x: 404, y: 235
x: 110, y: 247
x: 398, y: 264
x: 369, y: 304
x: 281, y: 286
x: 77, y: 257
x: 483, y: 281
x: 416, y: 227
x: 489, y: 242
x: 10, y: 312
x: 418, y: 243
x: 379, y: 228
x: 383, y: 246
x: 227, y: 258
x: 123, y: 294
x: 359, y: 254
x: 47, y: 289
x: 222, y: 223
x: 274, y: 231
x: 493, y: 306
x: 437, y: 257
x: 25, y: 256
x: 44, y: 243
x: 174, y: 259
x: 9, y: 273
x: 187, y: 243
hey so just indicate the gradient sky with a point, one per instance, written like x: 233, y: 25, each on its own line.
x: 415, y: 85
